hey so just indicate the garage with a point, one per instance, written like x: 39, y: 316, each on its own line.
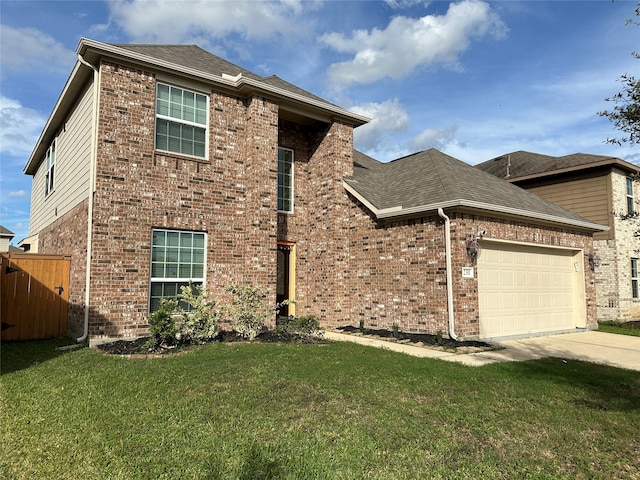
x: 527, y: 289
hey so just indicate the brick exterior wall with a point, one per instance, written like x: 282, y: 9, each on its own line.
x: 399, y: 269
x: 350, y: 267
x: 68, y: 236
x: 231, y: 196
x: 613, y: 277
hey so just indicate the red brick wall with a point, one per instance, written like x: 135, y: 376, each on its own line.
x: 68, y: 236
x: 323, y: 154
x: 398, y: 269
x: 232, y: 196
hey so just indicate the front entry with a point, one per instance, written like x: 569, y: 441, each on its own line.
x: 285, y: 289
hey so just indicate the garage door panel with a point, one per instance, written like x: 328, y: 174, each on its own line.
x: 526, y: 289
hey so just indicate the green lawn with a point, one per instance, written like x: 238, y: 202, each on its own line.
x: 334, y: 411
x: 622, y: 328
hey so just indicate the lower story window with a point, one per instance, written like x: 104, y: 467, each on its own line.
x: 177, y: 258
x: 635, y: 293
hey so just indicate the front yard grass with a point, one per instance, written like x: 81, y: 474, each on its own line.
x: 321, y: 411
x: 622, y: 328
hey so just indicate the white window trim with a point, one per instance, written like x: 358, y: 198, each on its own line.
x: 635, y: 279
x: 292, y: 180
x: 630, y: 196
x: 152, y: 279
x: 184, y: 122
x: 50, y: 181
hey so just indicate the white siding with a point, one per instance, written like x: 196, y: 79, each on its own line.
x: 72, y: 167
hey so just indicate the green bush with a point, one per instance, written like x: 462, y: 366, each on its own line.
x: 200, y: 323
x: 303, y: 327
x: 162, y: 325
x: 249, y: 311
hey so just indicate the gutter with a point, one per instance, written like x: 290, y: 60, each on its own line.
x: 92, y: 180
x: 447, y: 249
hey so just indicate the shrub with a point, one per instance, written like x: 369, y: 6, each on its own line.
x: 200, y: 324
x: 303, y: 327
x: 249, y: 311
x: 162, y: 325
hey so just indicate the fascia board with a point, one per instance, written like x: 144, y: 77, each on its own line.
x: 398, y: 211
x: 238, y: 83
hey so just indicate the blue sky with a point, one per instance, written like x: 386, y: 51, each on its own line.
x: 474, y: 79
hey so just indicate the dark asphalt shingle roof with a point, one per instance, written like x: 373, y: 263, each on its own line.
x: 431, y: 177
x: 5, y: 232
x: 527, y: 164
x: 194, y: 57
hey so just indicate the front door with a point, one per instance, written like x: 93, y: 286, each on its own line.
x: 286, y: 277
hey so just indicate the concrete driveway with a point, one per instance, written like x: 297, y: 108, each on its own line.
x: 621, y: 351
x: 598, y: 347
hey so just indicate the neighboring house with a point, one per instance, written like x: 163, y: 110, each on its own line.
x: 161, y: 165
x: 595, y: 187
x: 6, y: 236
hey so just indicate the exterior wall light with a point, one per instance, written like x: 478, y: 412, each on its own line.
x: 473, y: 248
x: 594, y: 261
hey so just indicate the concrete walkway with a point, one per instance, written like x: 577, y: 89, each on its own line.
x: 621, y: 351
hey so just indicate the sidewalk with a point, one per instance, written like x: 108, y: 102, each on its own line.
x: 621, y: 351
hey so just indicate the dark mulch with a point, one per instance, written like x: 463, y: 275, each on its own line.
x: 139, y: 345
x: 425, y: 338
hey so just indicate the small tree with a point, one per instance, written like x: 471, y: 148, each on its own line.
x: 200, y: 323
x: 162, y: 325
x: 249, y: 311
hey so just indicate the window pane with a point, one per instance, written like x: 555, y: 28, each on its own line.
x: 185, y: 271
x: 157, y: 270
x: 197, y: 271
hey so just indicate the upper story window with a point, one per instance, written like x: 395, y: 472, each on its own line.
x: 635, y: 293
x: 50, y: 162
x: 177, y: 258
x: 285, y: 180
x: 630, y: 201
x: 181, y: 121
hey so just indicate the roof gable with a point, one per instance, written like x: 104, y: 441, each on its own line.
x: 525, y: 165
x: 428, y: 180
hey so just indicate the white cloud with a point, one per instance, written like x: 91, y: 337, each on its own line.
x: 408, y: 43
x: 19, y: 127
x: 31, y: 49
x: 19, y: 194
x: 180, y: 22
x: 386, y: 117
x: 431, y: 138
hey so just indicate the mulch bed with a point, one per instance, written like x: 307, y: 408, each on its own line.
x: 138, y: 346
x: 426, y: 339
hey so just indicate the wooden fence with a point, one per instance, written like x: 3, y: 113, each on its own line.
x: 34, y: 296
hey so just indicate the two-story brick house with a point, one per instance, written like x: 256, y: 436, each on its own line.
x: 601, y: 189
x: 161, y: 165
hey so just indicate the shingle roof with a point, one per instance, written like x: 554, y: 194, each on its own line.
x: 430, y: 179
x: 520, y: 164
x: 5, y: 232
x: 192, y: 56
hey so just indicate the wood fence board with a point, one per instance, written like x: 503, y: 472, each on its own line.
x: 31, y: 305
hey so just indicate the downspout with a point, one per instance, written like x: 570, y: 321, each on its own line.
x: 447, y: 249
x: 92, y: 176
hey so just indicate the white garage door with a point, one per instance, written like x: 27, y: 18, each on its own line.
x: 526, y: 290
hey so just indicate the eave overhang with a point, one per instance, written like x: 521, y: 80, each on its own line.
x: 462, y: 204
x: 609, y: 162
